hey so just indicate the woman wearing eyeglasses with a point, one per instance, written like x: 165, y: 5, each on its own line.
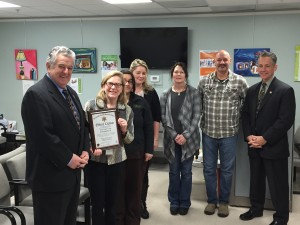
x: 138, y: 152
x: 105, y: 167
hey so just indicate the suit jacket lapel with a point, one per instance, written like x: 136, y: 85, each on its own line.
x: 57, y: 96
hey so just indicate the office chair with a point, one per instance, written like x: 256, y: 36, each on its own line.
x: 296, y: 155
x: 23, y: 197
x: 3, y: 137
x: 8, y: 213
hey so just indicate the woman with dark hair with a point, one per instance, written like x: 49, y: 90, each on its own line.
x: 180, y: 109
x: 138, y: 152
x: 140, y: 71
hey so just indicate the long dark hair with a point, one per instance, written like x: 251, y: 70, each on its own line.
x: 132, y: 78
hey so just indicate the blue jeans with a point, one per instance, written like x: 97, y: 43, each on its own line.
x: 225, y: 148
x: 180, y: 180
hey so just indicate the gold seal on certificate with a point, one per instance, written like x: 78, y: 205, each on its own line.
x: 104, y: 128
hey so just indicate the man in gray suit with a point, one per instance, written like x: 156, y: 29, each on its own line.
x: 57, y: 142
x: 268, y: 114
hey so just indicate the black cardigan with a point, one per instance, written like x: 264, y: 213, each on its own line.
x: 153, y: 101
x: 143, y: 128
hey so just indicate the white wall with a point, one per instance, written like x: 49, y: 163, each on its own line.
x: 279, y: 32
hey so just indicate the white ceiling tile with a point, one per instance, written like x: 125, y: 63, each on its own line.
x: 150, y: 12
x: 95, y: 7
x: 277, y: 1
x: 30, y: 3
x: 148, y: 6
x: 193, y: 10
x: 182, y: 3
x: 80, y: 2
x: 87, y: 8
x: 230, y: 2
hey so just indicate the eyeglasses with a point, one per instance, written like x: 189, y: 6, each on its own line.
x: 117, y: 85
x: 128, y: 81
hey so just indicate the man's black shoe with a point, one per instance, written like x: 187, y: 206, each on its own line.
x: 144, y: 211
x: 183, y: 211
x: 145, y: 214
x: 276, y: 222
x: 250, y: 215
x: 174, y: 210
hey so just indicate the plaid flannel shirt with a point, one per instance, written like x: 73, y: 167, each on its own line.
x: 221, y: 104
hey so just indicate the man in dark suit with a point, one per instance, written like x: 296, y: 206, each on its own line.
x: 57, y: 142
x: 268, y: 114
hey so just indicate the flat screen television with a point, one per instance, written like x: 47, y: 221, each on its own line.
x: 159, y: 47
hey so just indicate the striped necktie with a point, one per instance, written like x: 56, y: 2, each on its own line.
x: 72, y: 106
x: 261, y: 96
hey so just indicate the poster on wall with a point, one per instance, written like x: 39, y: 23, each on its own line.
x: 206, y: 64
x: 297, y: 64
x: 245, y: 61
x: 108, y: 63
x: 85, y: 61
x: 26, y: 64
x: 76, y: 85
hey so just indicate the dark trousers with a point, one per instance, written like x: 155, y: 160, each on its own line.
x: 59, y: 208
x: 276, y: 171
x: 104, y: 184
x: 130, y: 195
x: 145, y: 183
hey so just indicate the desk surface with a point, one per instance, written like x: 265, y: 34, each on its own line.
x: 14, y: 136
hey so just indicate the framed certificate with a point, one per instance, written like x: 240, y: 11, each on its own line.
x: 104, y: 128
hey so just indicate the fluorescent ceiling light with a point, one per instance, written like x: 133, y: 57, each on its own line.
x: 126, y: 1
x: 7, y: 5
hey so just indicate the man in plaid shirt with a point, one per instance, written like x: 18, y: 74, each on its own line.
x: 222, y: 95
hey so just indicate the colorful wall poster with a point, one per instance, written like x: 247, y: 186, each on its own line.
x: 26, y: 64
x: 206, y: 64
x: 85, y: 61
x: 245, y: 61
x: 297, y: 64
x: 108, y: 63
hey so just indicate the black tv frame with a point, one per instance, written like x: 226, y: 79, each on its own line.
x: 159, y: 47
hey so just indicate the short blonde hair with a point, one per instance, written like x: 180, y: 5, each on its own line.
x: 102, y: 95
x: 138, y: 62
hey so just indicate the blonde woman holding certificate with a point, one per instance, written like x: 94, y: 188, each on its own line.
x: 105, y: 167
